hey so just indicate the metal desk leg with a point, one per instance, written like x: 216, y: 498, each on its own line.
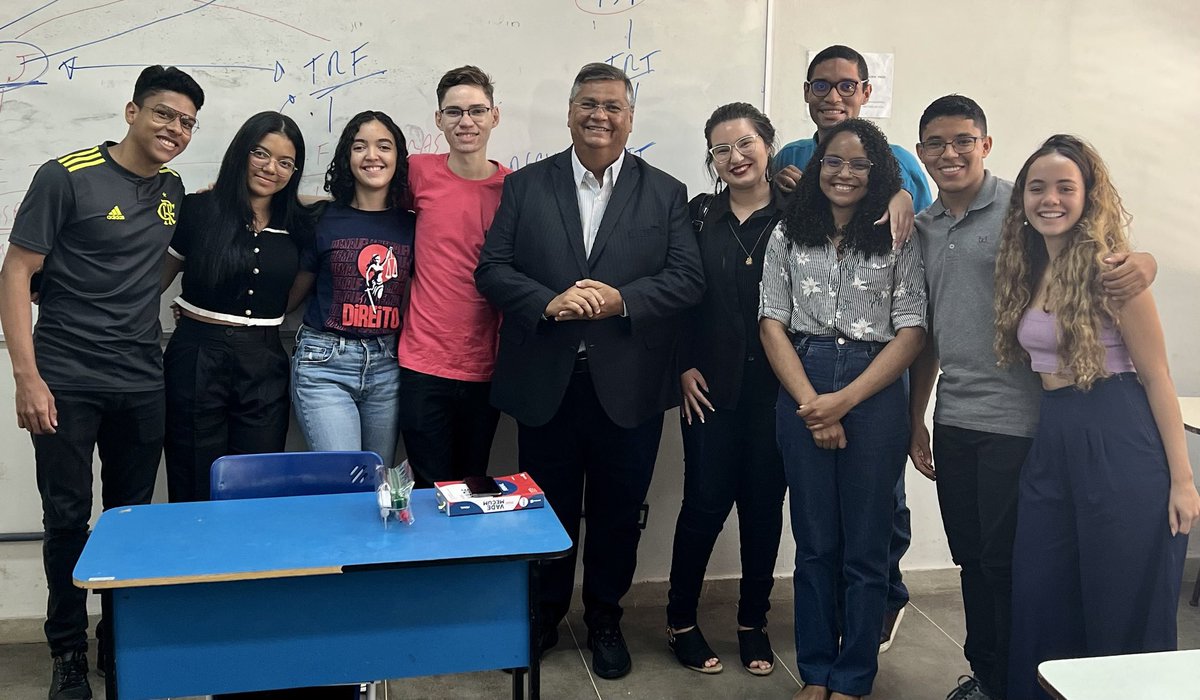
x: 535, y: 630
x: 110, y: 622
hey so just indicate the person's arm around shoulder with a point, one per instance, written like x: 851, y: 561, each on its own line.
x: 34, y: 402
x: 1132, y: 272
x: 1143, y: 336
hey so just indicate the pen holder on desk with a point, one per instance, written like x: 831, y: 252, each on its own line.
x: 393, y: 489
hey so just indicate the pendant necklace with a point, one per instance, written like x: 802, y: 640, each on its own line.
x: 750, y: 253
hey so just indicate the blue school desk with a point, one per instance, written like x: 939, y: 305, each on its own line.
x: 226, y: 596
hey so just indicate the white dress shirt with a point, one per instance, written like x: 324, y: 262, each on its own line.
x: 593, y: 199
x: 593, y: 196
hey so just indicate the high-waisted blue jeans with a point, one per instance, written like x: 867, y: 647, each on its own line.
x: 842, y: 502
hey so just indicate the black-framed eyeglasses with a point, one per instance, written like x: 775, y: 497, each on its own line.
x: 722, y: 152
x: 611, y: 108
x: 162, y: 114
x: 858, y: 166
x: 845, y: 88
x: 259, y: 157
x: 960, y: 144
x: 476, y: 112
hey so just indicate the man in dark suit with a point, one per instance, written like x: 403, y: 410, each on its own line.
x: 591, y: 259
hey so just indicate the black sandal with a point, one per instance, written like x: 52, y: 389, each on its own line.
x: 754, y: 645
x: 692, y: 651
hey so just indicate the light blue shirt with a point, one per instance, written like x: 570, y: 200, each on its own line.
x: 912, y: 178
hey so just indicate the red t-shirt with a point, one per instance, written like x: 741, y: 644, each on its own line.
x: 450, y: 329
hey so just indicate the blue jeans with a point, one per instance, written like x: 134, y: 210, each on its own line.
x: 842, y: 503
x: 346, y: 392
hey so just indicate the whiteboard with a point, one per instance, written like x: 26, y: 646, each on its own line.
x: 68, y: 68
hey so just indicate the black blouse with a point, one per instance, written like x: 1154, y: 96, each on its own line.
x: 721, y: 336
x: 262, y: 289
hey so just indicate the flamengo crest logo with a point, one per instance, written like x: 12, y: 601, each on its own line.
x: 166, y: 211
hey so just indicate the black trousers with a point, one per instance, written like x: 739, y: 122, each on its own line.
x: 227, y: 394
x: 128, y: 430
x: 448, y: 426
x: 978, y: 474
x: 732, y: 457
x: 585, y: 462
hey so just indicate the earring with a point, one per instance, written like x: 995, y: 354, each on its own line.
x: 767, y: 174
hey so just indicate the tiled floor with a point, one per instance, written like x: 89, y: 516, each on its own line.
x: 922, y: 664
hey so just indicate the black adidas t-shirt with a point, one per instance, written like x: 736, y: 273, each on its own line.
x: 103, y: 231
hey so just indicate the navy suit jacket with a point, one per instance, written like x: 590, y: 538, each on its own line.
x: 534, y: 251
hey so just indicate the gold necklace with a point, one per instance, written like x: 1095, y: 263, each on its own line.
x: 750, y: 253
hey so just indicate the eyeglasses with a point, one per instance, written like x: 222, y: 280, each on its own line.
x: 162, y: 114
x: 961, y: 144
x: 845, y: 88
x: 723, y: 151
x: 612, y: 108
x: 260, y: 157
x: 476, y: 112
x: 858, y: 166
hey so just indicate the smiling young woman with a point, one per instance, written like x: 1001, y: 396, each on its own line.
x: 238, y: 246
x: 1107, y: 486
x: 841, y: 316
x: 728, y: 411
x: 345, y: 376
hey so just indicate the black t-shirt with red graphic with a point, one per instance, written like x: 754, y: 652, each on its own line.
x: 362, y: 260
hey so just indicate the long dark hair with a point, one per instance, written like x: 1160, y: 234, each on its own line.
x: 339, y: 178
x: 215, y: 257
x: 808, y: 220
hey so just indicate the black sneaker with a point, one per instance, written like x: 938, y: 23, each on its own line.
x: 610, y: 656
x: 69, y: 681
x: 968, y: 688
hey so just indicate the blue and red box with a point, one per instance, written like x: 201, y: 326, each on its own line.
x: 518, y: 492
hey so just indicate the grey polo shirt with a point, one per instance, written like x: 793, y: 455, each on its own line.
x: 960, y: 262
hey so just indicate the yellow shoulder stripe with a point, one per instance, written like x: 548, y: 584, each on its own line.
x: 86, y: 154
x: 79, y: 165
x: 165, y: 169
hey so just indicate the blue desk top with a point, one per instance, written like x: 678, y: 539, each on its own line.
x: 172, y: 543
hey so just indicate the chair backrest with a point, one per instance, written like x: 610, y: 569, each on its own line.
x: 292, y: 474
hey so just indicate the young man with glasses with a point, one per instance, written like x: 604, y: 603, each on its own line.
x: 837, y: 87
x: 592, y: 260
x: 448, y: 343
x: 984, y: 418
x: 96, y: 224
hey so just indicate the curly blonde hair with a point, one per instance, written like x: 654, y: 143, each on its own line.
x: 1074, y: 295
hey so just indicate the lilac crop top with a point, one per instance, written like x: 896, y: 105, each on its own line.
x: 1037, y: 334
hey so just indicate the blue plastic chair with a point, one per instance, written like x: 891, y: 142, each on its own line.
x: 292, y: 474
x: 295, y: 474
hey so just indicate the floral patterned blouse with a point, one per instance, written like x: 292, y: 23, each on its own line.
x: 864, y: 297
